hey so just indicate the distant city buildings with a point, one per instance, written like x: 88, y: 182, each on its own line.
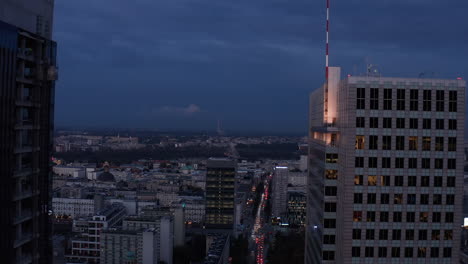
x: 385, y: 170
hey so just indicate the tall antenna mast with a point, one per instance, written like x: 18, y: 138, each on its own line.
x: 326, y: 48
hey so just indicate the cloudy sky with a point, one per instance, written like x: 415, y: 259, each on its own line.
x: 184, y: 64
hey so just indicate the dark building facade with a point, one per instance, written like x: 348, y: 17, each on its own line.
x: 220, y: 193
x: 27, y: 83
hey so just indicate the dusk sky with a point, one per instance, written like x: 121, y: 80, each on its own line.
x: 183, y: 64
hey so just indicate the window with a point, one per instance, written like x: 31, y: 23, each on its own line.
x: 358, y: 180
x: 425, y: 181
x: 373, y: 122
x: 426, y: 123
x: 427, y: 94
x: 448, y: 235
x: 383, y: 218
x: 357, y: 216
x: 413, y: 163
x: 401, y: 99
x: 360, y: 140
x: 359, y: 162
x: 400, y: 123
x: 434, y: 252
x: 450, y: 199
x: 360, y: 122
x: 372, y: 180
x: 447, y: 252
x: 398, y: 181
x: 383, y: 234
x: 436, y: 217
x: 328, y: 255
x: 409, y: 234
x: 372, y: 162
x: 382, y: 252
x: 398, y: 198
x: 386, y: 163
x: 370, y: 234
x: 439, y: 144
x: 423, y: 216
x: 426, y: 143
x: 448, y: 217
x: 384, y: 198
x: 329, y: 223
x: 424, y: 199
x: 440, y: 124
x: 414, y: 100
x: 435, y: 235
x: 395, y: 252
x: 358, y: 198
x: 452, y: 144
x: 410, y: 217
x: 450, y: 181
x: 451, y: 164
x: 356, y: 252
x: 371, y: 198
x: 385, y: 180
x: 387, y: 99
x: 422, y: 235
x: 331, y: 158
x: 400, y: 143
x: 399, y: 163
x: 329, y: 239
x: 397, y: 216
x: 396, y: 234
x: 437, y: 181
x: 356, y: 233
x: 421, y: 252
x: 330, y: 207
x: 331, y: 174
x: 440, y: 100
x: 452, y: 124
x: 452, y: 101
x: 425, y: 163
x: 437, y: 199
x: 374, y: 98
x: 387, y: 122
x: 412, y: 180
x: 439, y: 164
x: 411, y: 198
x: 413, y: 143
x: 413, y: 123
x: 369, y: 252
x: 373, y: 142
x: 386, y: 142
x: 408, y: 252
x: 330, y: 190
x: 361, y: 98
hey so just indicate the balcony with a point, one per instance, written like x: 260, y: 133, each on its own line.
x: 23, y: 194
x: 24, y: 216
x: 26, y: 54
x: 23, y: 239
x: 25, y: 259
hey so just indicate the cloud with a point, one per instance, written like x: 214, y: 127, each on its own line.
x: 189, y: 110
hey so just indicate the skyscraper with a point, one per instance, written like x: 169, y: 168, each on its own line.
x: 220, y: 193
x: 385, y: 170
x: 27, y: 83
x: 279, y: 197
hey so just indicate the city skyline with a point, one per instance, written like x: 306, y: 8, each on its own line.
x: 183, y: 64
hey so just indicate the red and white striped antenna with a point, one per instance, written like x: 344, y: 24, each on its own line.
x: 326, y: 49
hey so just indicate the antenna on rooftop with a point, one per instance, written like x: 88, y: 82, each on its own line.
x: 326, y: 43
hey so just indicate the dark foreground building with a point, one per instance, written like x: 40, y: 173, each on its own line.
x: 27, y: 78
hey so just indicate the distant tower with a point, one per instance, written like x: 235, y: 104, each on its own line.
x: 219, y: 129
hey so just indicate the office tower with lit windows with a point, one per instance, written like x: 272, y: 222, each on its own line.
x: 220, y: 193
x: 385, y: 170
x: 27, y: 80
